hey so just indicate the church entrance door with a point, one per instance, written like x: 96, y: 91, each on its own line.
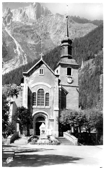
x: 39, y: 121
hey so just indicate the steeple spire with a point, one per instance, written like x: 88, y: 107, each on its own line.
x: 67, y: 27
x: 67, y: 31
x: 66, y: 43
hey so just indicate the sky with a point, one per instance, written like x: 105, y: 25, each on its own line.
x: 90, y: 11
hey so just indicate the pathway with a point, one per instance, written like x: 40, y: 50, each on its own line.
x: 64, y: 141
x: 49, y: 156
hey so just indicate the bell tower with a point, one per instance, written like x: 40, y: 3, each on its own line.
x: 67, y: 69
x: 66, y: 44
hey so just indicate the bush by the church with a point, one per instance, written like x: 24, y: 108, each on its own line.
x: 75, y: 118
x: 91, y: 120
x: 51, y: 140
x: 11, y: 129
x: 14, y: 137
x: 33, y: 138
x: 95, y: 121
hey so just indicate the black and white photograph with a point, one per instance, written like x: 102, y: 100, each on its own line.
x: 52, y: 85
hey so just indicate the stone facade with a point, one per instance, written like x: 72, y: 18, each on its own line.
x: 48, y: 84
x: 72, y: 96
x: 63, y: 93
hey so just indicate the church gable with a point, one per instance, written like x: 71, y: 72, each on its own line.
x: 40, y: 73
x: 36, y: 67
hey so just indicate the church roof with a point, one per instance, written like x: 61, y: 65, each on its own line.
x: 66, y: 39
x: 68, y: 61
x: 35, y: 65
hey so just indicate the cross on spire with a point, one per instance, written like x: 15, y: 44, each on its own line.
x: 41, y: 54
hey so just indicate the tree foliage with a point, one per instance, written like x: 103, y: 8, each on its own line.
x: 73, y: 118
x: 11, y: 128
x: 86, y: 47
x: 23, y: 115
x: 5, y: 113
x: 10, y: 90
x: 90, y: 92
x: 90, y: 119
x: 94, y: 119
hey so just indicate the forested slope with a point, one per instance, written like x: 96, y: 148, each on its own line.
x: 86, y: 48
x: 91, y: 83
x: 83, y: 48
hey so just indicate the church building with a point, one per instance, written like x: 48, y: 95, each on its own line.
x: 47, y: 92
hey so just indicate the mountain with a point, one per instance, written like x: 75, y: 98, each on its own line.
x: 88, y: 49
x: 28, y: 31
x: 84, y: 49
x: 30, y: 13
x: 84, y: 20
x: 91, y: 83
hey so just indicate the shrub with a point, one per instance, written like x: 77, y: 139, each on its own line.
x: 95, y: 119
x: 34, y: 137
x: 14, y: 137
x: 11, y: 129
x: 74, y: 118
x: 24, y: 116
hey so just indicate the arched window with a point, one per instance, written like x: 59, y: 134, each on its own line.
x: 47, y: 99
x: 34, y: 98
x: 40, y: 97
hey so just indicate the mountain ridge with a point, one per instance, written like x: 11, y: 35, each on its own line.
x: 30, y: 37
x: 88, y: 49
x: 84, y: 49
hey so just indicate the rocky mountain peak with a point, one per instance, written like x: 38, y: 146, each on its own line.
x: 23, y: 28
x: 30, y: 13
